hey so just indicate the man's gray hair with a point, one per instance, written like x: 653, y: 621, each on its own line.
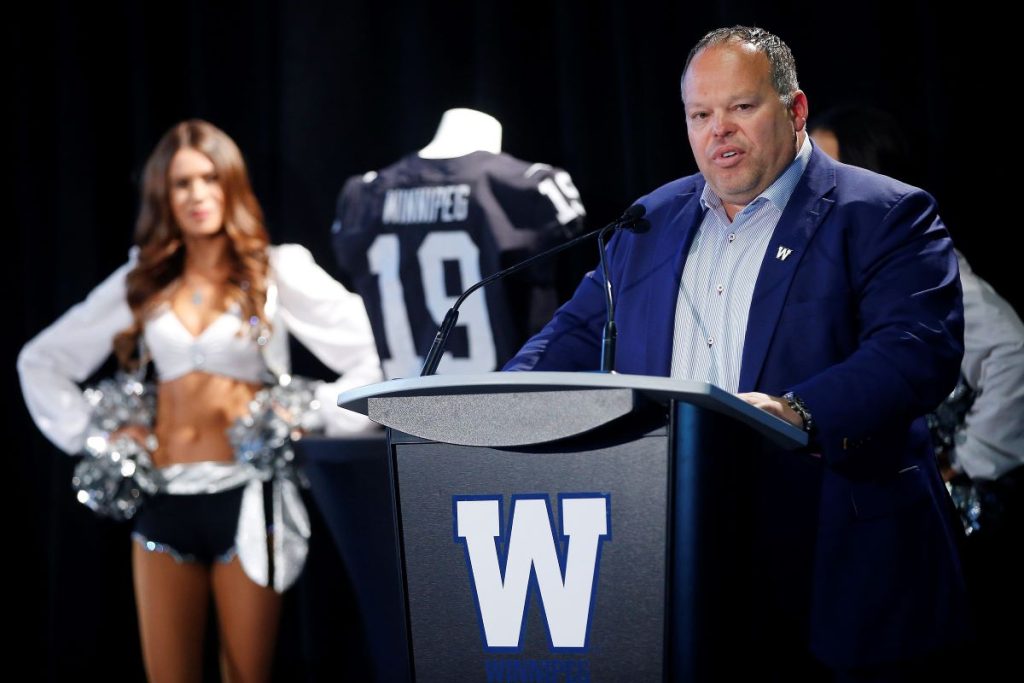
x: 780, y: 58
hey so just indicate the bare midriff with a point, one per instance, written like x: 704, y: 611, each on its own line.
x: 193, y: 414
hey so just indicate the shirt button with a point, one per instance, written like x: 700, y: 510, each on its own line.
x: 711, y: 341
x: 732, y: 236
x: 720, y: 289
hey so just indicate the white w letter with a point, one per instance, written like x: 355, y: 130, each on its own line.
x: 565, y: 597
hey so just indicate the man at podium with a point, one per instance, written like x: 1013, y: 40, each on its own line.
x: 828, y: 296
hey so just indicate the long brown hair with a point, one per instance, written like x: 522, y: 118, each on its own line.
x: 161, y: 256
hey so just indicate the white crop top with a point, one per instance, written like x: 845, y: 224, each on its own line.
x: 302, y: 300
x: 223, y: 348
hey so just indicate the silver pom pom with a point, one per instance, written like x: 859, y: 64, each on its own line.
x: 277, y: 416
x: 120, y: 402
x: 114, y: 479
x: 968, y: 503
x: 115, y: 475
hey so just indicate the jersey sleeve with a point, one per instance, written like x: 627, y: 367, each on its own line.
x: 541, y: 198
x: 350, y: 217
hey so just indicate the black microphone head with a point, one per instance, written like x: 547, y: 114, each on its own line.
x: 632, y: 219
x: 633, y: 213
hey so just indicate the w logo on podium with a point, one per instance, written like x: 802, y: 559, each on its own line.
x: 508, y: 564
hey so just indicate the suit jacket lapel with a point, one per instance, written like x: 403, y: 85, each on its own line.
x: 682, y: 225
x: 805, y: 211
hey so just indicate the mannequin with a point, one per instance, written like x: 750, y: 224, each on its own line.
x: 461, y: 132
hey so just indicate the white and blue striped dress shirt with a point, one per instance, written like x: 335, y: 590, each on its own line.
x: 718, y: 280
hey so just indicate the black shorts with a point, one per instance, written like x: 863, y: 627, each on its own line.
x: 194, y: 528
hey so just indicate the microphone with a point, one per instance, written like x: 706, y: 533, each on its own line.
x: 634, y: 221
x: 631, y: 219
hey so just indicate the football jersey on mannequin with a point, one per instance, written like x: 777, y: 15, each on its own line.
x: 411, y: 237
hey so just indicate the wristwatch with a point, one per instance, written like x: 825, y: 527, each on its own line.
x: 797, y: 405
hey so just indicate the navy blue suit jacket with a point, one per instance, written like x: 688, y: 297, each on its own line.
x: 863, y: 320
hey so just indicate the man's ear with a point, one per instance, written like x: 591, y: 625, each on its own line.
x: 798, y: 110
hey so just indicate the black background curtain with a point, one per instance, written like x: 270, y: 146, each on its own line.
x: 314, y: 92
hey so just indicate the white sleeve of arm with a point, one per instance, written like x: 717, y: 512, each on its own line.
x: 52, y: 363
x: 991, y: 441
x: 332, y: 323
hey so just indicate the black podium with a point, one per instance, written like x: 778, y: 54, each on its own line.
x: 575, y: 527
